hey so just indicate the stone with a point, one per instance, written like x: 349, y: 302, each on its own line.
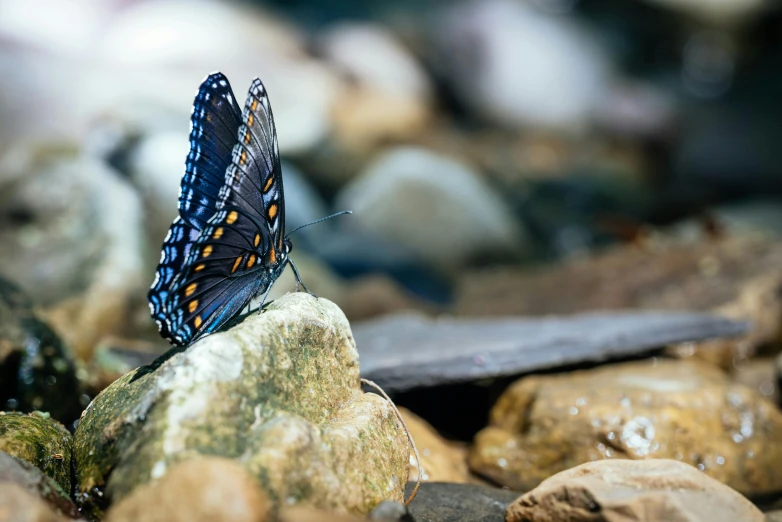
x: 433, y: 205
x: 18, y: 505
x: 307, y: 514
x: 406, y: 351
x: 389, y: 94
x: 759, y: 374
x: 738, y: 276
x: 278, y: 392
x: 689, y: 411
x: 201, y: 489
x: 37, y: 371
x: 390, y: 511
x: 439, y: 502
x: 377, y: 295
x: 442, y: 460
x: 40, y: 441
x: 632, y: 491
x: 517, y: 66
x: 72, y: 237
x: 34, y: 490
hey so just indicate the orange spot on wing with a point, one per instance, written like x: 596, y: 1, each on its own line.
x: 218, y: 233
x: 254, y: 105
x: 247, y: 136
x: 198, y: 321
x: 251, y: 261
x: 272, y: 256
x: 257, y: 239
x: 250, y: 119
x: 272, y: 211
x: 232, y: 217
x: 207, y: 251
x: 200, y: 267
x: 190, y: 289
x: 268, y: 184
x: 236, y: 264
x: 193, y: 305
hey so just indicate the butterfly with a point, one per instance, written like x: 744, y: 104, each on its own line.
x: 227, y: 244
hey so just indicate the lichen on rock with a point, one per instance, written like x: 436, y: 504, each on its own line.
x: 279, y: 393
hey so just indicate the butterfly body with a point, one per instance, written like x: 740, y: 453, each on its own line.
x: 227, y: 244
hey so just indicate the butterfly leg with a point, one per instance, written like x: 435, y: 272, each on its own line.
x: 260, y: 308
x: 298, y: 279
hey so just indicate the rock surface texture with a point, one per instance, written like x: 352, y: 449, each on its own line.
x: 279, y: 393
x: 632, y: 491
x: 681, y: 410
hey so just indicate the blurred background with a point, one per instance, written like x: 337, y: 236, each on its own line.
x: 467, y: 137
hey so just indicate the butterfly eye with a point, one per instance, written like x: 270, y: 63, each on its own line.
x: 288, y: 246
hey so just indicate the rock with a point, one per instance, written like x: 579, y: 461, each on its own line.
x: 684, y: 410
x: 737, y: 277
x: 377, y: 295
x: 442, y: 460
x: 390, y: 511
x: 774, y: 516
x: 437, y: 502
x: 33, y: 491
x: 406, y: 351
x: 626, y: 490
x: 517, y: 66
x: 306, y: 514
x: 434, y: 206
x: 389, y: 92
x: 279, y: 393
x: 72, y: 237
x: 759, y: 374
x: 201, y: 489
x: 20, y: 506
x: 37, y: 370
x: 40, y: 441
x: 722, y: 14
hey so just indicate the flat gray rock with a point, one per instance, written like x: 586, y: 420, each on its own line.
x: 406, y: 351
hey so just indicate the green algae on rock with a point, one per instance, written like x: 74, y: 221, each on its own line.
x: 39, y: 440
x: 280, y: 393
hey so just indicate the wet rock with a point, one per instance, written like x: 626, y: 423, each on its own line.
x: 517, y: 66
x: 389, y: 93
x: 405, y: 351
x: 645, y: 491
x: 201, y: 489
x: 759, y: 374
x: 33, y: 491
x: 40, y: 441
x: 737, y: 277
x: 279, y: 393
x: 442, y: 460
x: 71, y: 235
x: 20, y: 506
x: 436, y: 207
x: 683, y: 410
x: 37, y: 371
x: 437, y: 502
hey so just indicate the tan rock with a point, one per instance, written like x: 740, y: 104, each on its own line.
x: 202, y: 489
x: 17, y: 505
x: 442, y: 460
x: 632, y: 491
x: 684, y: 410
x: 376, y: 295
x: 306, y: 514
x: 737, y: 277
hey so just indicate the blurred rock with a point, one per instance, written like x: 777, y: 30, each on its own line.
x: 390, y: 511
x: 759, y: 375
x: 438, y: 501
x: 376, y: 295
x: 115, y: 356
x: 306, y: 514
x: 201, y: 489
x: 20, y: 506
x: 517, y: 66
x: 279, y: 392
x: 26, y: 492
x: 647, y: 491
x: 434, y: 206
x: 712, y: 13
x: 681, y: 410
x: 37, y: 371
x: 406, y: 351
x: 389, y: 92
x: 40, y: 441
x: 71, y: 235
x: 737, y: 277
x: 442, y: 460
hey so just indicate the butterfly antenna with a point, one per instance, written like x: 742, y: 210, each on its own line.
x: 319, y: 220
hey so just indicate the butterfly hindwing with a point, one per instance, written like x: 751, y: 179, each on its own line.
x: 213, y: 125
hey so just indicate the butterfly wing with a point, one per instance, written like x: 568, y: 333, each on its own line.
x: 240, y: 252
x: 214, y: 121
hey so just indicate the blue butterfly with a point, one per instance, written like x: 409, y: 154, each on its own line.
x: 227, y: 244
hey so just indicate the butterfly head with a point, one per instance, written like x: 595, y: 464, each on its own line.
x: 287, y: 246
